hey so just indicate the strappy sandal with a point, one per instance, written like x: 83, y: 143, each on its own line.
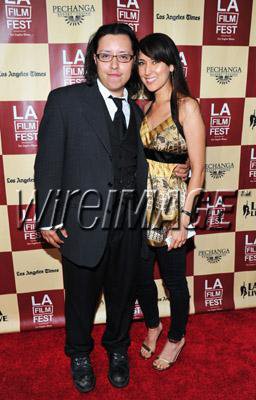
x: 148, y: 349
x: 169, y: 363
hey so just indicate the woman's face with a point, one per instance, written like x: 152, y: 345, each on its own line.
x: 155, y: 75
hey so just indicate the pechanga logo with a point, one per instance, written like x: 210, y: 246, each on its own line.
x: 248, y: 289
x: 253, y: 120
x: 213, y: 256
x: 74, y: 14
x: 128, y: 12
x: 227, y: 19
x: 218, y: 170
x: 220, y: 122
x: 184, y: 63
x: 18, y: 15
x: 223, y: 75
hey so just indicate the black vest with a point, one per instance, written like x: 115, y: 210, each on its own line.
x: 124, y: 153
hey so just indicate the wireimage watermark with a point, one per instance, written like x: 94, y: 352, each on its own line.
x: 90, y: 209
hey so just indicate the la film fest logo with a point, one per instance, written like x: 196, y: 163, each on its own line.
x: 73, y: 68
x: 18, y: 15
x: 253, y: 120
x: 29, y: 229
x: 220, y: 121
x: 3, y: 317
x: 128, y: 12
x: 227, y: 19
x: 214, y: 256
x: 42, y: 310
x: 218, y: 170
x: 250, y: 250
x: 25, y: 126
x: 252, y: 165
x: 213, y: 294
x: 184, y: 63
x: 248, y: 289
x: 74, y: 14
x: 137, y: 313
x: 216, y: 212
x: 223, y: 75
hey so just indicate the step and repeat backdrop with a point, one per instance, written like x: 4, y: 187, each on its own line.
x: 42, y: 46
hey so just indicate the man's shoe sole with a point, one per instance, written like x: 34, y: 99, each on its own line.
x: 85, y: 390
x: 118, y: 386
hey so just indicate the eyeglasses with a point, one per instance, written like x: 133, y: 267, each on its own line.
x: 122, y: 58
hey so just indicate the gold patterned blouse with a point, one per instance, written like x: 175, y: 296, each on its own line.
x: 164, y: 148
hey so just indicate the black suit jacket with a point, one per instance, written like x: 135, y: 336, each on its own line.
x: 74, y: 154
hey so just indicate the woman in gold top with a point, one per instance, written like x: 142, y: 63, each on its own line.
x: 171, y: 131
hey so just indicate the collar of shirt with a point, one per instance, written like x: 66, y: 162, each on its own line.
x: 111, y: 105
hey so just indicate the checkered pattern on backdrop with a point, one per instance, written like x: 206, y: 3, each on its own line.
x: 42, y: 46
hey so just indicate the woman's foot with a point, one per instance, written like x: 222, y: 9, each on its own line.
x: 149, y: 345
x: 168, y: 355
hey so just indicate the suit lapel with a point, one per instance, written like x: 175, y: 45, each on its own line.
x: 93, y: 111
x: 142, y: 167
x: 136, y: 114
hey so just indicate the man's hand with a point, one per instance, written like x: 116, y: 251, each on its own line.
x: 52, y: 238
x: 182, y: 170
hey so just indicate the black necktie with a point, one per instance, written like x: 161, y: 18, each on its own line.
x: 119, y: 119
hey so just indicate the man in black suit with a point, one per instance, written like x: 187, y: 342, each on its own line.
x: 90, y: 175
x: 89, y: 152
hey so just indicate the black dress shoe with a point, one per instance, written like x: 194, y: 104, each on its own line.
x: 82, y: 372
x: 118, y: 374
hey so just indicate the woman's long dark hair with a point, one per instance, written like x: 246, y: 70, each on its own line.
x: 161, y: 47
x: 90, y: 66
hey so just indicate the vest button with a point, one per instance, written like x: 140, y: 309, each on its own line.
x: 110, y: 184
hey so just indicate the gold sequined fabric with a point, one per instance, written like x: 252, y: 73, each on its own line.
x: 165, y: 191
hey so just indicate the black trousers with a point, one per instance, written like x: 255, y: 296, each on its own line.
x: 172, y: 267
x: 116, y: 274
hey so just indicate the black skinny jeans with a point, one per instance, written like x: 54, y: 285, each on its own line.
x: 172, y: 265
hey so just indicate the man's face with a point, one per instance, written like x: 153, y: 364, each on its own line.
x: 114, y: 74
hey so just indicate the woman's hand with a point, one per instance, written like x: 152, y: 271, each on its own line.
x: 179, y: 236
x: 182, y: 170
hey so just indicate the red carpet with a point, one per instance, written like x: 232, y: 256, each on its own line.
x: 218, y: 363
